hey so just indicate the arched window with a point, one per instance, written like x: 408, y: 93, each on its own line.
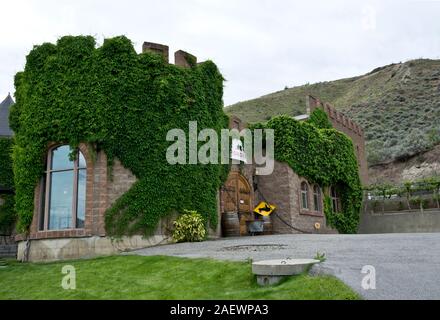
x: 64, y: 201
x: 317, y: 198
x: 304, y: 195
x: 335, y: 199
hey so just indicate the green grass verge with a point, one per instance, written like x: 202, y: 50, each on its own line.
x: 167, y: 278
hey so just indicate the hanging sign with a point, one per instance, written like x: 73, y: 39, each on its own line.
x: 237, y: 152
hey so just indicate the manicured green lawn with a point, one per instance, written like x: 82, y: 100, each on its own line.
x: 135, y: 277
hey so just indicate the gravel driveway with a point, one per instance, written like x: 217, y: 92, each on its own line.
x: 407, y: 265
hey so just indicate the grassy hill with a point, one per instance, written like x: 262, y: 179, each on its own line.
x: 397, y: 105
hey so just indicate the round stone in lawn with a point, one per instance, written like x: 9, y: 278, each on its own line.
x: 271, y: 272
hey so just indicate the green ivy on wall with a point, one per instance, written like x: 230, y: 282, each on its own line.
x: 323, y: 156
x: 319, y: 119
x: 7, y: 213
x: 123, y: 103
x: 6, y: 174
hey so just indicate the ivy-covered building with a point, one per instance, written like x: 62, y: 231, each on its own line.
x: 90, y: 167
x: 7, y: 212
x: 305, y: 179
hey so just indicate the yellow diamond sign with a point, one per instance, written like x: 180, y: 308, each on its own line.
x: 264, y: 209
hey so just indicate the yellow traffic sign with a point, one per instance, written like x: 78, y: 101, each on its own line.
x: 264, y: 209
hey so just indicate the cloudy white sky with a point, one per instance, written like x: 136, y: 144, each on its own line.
x: 260, y: 46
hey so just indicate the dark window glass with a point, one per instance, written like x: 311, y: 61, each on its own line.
x: 304, y: 195
x: 317, y: 198
x: 335, y: 199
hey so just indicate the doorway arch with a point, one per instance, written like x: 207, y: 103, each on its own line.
x: 236, y: 196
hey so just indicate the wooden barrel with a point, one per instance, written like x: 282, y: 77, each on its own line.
x: 230, y: 224
x: 267, y: 225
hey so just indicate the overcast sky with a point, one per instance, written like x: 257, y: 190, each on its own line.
x: 260, y: 46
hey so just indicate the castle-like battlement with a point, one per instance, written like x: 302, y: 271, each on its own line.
x: 344, y: 124
x: 334, y: 115
x: 181, y: 58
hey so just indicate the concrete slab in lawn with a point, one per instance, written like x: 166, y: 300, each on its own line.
x: 271, y: 272
x: 407, y: 266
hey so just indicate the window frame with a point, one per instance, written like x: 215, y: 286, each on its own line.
x: 304, y: 195
x: 47, y: 184
x: 317, y: 198
x: 334, y: 195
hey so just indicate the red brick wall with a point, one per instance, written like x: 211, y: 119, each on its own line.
x: 283, y: 189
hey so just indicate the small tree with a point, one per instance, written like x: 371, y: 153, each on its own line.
x: 434, y: 186
x: 408, y: 189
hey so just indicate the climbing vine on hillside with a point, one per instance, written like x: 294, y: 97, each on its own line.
x: 323, y: 156
x: 123, y: 103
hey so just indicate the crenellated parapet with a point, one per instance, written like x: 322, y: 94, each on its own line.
x: 335, y: 116
x: 181, y: 58
x: 344, y: 124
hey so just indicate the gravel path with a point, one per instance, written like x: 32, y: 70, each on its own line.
x: 407, y: 265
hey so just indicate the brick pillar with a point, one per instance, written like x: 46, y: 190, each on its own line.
x: 156, y: 48
x: 184, y: 59
x: 311, y: 104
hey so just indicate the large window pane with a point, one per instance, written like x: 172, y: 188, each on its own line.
x: 81, y: 201
x: 61, y: 197
x: 81, y: 161
x: 60, y: 158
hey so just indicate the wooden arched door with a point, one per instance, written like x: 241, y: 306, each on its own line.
x: 236, y: 196
x: 244, y: 195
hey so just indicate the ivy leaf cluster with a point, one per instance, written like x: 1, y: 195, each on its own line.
x: 7, y: 212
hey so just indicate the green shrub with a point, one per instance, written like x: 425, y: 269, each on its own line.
x: 189, y: 227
